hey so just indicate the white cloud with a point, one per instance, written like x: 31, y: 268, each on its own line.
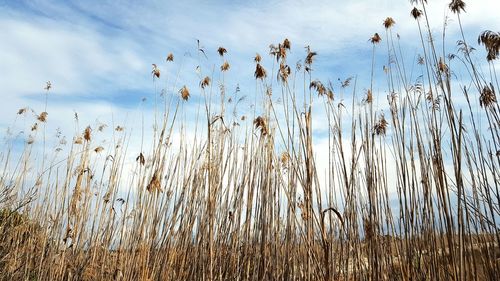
x: 72, y: 57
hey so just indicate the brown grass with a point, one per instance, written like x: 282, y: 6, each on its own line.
x: 411, y: 194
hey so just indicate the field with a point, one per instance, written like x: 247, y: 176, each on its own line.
x: 410, y: 192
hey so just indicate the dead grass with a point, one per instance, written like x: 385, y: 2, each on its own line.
x: 243, y: 200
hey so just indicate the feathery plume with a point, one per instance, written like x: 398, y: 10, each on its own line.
x: 221, y: 51
x: 184, y: 93
x: 225, y: 66
x: 286, y: 44
x: 261, y: 123
x: 375, y: 39
x: 155, y: 71
x: 205, y: 82
x: 318, y: 86
x: 260, y: 72
x: 86, y: 133
x: 309, y: 57
x: 141, y: 159
x: 487, y: 97
x: 456, y: 6
x: 491, y: 42
x: 42, y: 117
x: 416, y: 13
x: 381, y: 126
x: 257, y: 58
x: 389, y: 22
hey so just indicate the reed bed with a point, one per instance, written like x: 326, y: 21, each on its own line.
x: 410, y: 191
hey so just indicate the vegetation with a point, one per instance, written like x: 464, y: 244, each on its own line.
x: 411, y: 194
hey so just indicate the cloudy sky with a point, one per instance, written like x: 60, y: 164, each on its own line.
x: 98, y: 54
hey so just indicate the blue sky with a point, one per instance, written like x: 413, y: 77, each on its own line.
x: 102, y: 51
x: 98, y: 54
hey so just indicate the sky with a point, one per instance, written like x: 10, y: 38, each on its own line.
x: 98, y: 54
x: 102, y: 51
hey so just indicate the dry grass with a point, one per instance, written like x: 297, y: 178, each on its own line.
x: 245, y: 198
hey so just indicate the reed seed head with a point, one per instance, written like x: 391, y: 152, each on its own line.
x: 155, y: 183
x: 87, y: 133
x: 456, y: 6
x: 487, y: 97
x: 286, y: 44
x: 221, y: 51
x: 285, y: 158
x: 310, y: 56
x: 155, y: 71
x: 225, y: 66
x: 375, y: 38
x: 284, y: 72
x: 319, y: 87
x: 416, y: 13
x: 184, y: 91
x: 346, y: 82
x: 257, y: 58
x: 205, y: 82
x: 42, y: 117
x: 420, y: 60
x: 141, y: 159
x: 260, y: 72
x: 329, y: 94
x: 381, y: 126
x: 369, y: 96
x: 491, y: 41
x: 389, y: 22
x: 261, y: 123
x: 78, y: 140
x: 442, y: 67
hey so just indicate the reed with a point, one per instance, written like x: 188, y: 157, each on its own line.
x: 409, y: 193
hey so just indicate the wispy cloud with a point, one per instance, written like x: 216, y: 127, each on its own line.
x: 100, y: 52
